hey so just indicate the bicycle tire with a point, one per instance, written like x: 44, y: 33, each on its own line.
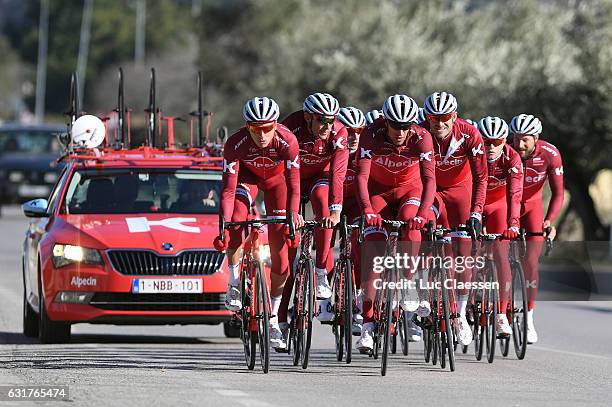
x: 337, y: 328
x: 519, y: 315
x: 447, y: 324
x: 491, y: 327
x: 263, y: 319
x: 308, y: 295
x: 504, y: 346
x: 348, y: 309
x: 245, y: 326
x: 296, y: 332
x: 386, y: 320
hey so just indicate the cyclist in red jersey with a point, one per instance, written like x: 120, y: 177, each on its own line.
x: 323, y: 160
x: 502, y: 205
x: 354, y: 121
x: 263, y: 155
x: 461, y: 178
x: 541, y: 161
x: 395, y: 179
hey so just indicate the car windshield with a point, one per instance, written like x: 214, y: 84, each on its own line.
x: 28, y: 141
x: 108, y: 191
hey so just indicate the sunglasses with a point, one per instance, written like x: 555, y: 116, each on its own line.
x: 257, y: 127
x: 495, y: 142
x: 398, y: 125
x: 439, y: 117
x: 325, y: 119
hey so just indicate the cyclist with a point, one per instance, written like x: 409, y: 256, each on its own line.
x: 541, y: 161
x: 461, y: 178
x: 502, y: 205
x: 263, y: 155
x: 372, y: 115
x: 323, y: 160
x: 395, y: 173
x: 354, y: 121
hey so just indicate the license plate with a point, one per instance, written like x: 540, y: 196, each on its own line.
x: 33, y: 190
x: 167, y: 285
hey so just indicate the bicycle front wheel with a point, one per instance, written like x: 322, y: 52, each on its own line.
x: 263, y: 319
x: 308, y: 311
x: 347, y: 304
x: 519, y: 311
x: 246, y: 331
x: 386, y: 329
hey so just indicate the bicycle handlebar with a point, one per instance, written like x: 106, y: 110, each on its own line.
x: 287, y: 221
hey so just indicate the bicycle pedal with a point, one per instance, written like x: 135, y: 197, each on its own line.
x: 327, y: 322
x: 281, y: 350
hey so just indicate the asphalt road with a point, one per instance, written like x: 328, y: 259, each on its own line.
x: 195, y: 365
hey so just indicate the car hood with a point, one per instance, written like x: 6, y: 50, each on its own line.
x: 29, y: 162
x: 131, y: 231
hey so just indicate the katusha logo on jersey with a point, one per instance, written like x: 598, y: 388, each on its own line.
x: 350, y: 176
x: 533, y: 177
x: 395, y: 163
x: 261, y: 162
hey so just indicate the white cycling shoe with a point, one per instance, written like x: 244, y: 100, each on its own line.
x: 323, y: 290
x: 325, y: 311
x: 365, y: 343
x: 409, y: 300
x: 415, y: 333
x: 233, y: 299
x: 532, y: 335
x: 277, y: 340
x: 463, y: 331
x: 503, y: 326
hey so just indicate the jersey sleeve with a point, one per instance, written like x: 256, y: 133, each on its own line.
x: 231, y: 167
x: 514, y: 190
x: 555, y: 178
x: 339, y: 165
x: 478, y: 166
x: 292, y: 174
x: 427, y: 169
x: 363, y: 162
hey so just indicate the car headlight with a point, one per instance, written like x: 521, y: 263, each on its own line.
x: 50, y: 177
x: 264, y: 253
x: 64, y: 254
x: 16, y: 176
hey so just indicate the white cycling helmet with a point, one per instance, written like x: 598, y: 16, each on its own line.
x: 400, y: 109
x: 421, y: 116
x: 88, y: 131
x: 525, y: 124
x: 260, y: 109
x: 440, y: 103
x: 351, y: 117
x: 373, y: 115
x: 323, y: 104
x: 493, y: 128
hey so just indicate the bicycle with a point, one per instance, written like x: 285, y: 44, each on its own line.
x: 517, y: 307
x: 254, y: 316
x: 300, y: 328
x: 438, y: 335
x: 344, y: 293
x: 387, y: 317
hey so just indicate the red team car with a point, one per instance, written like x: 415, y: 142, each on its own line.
x: 126, y: 237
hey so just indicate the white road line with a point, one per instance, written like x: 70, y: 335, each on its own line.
x: 582, y: 355
x: 231, y: 393
x: 253, y: 403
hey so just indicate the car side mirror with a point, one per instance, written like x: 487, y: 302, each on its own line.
x: 36, y: 208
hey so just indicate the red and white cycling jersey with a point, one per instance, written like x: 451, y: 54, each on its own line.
x: 350, y: 178
x: 506, y: 183
x: 461, y: 158
x: 381, y: 162
x: 544, y: 163
x: 321, y: 157
x: 244, y: 160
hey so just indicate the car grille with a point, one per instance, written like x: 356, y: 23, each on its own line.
x: 159, y: 302
x: 148, y: 263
